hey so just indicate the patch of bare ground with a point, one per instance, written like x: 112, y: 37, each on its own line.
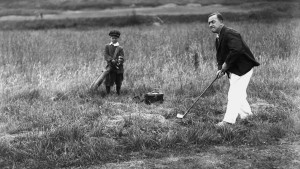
x: 217, y: 157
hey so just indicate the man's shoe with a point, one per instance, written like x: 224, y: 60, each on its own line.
x: 246, y: 122
x: 222, y: 124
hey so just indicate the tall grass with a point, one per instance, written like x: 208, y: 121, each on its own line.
x: 179, y: 60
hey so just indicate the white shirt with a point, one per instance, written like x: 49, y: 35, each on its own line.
x: 115, y: 44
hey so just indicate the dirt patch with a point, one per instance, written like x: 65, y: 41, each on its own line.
x: 218, y: 157
x: 205, y: 160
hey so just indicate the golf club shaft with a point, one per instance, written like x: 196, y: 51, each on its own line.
x: 201, y: 94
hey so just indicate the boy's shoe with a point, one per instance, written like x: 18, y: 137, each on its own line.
x: 107, y: 89
x: 118, y: 89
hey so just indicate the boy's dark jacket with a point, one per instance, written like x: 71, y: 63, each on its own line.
x: 109, y: 55
x: 232, y: 49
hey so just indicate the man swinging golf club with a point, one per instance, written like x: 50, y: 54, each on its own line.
x: 236, y: 60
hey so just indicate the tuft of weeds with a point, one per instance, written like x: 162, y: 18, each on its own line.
x: 28, y: 96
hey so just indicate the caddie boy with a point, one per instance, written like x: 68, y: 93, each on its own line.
x: 114, y: 56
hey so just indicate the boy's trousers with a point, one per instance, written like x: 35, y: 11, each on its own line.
x: 237, y: 97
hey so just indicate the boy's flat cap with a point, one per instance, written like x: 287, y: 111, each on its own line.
x: 114, y: 33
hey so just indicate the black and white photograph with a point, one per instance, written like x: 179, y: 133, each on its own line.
x: 149, y: 84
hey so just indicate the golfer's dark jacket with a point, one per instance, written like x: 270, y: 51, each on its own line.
x: 109, y: 55
x: 232, y: 49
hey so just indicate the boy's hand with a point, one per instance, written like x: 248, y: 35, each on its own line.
x: 120, y: 60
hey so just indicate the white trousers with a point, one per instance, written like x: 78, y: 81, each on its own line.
x: 237, y: 97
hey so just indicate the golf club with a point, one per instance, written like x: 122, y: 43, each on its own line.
x: 180, y: 116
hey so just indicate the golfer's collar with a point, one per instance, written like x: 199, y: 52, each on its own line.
x: 116, y: 44
x: 218, y: 34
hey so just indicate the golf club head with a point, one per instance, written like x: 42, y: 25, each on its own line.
x: 180, y: 116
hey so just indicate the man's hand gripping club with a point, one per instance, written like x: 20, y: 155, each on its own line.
x: 222, y: 72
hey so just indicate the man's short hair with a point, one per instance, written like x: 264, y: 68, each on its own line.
x: 219, y: 15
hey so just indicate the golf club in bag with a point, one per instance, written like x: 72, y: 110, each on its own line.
x: 100, y: 79
x: 180, y: 116
x: 104, y: 73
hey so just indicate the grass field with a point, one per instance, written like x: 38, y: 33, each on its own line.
x: 83, y: 128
